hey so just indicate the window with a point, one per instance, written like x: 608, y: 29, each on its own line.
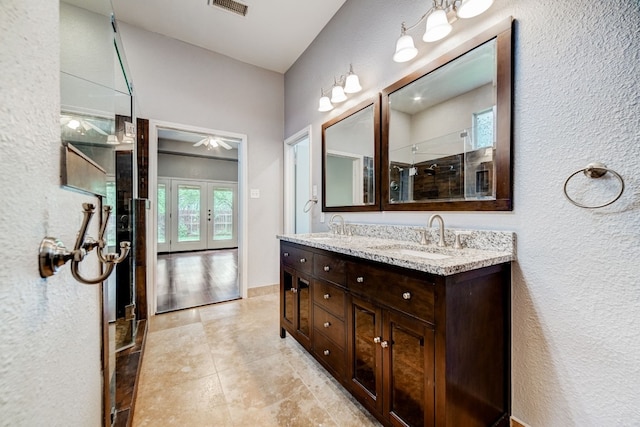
x: 484, y: 128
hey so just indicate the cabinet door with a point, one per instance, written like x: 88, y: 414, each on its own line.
x: 365, y: 352
x: 295, y: 305
x: 408, y: 354
x: 287, y: 301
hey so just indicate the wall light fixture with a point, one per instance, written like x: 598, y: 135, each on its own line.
x: 438, y: 24
x: 342, y: 86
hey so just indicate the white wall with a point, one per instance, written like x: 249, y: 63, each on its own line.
x: 180, y: 83
x: 576, y: 287
x: 50, y: 347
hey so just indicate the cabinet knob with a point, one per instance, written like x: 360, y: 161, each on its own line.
x: 285, y: 254
x: 326, y: 296
x: 326, y: 324
x: 359, y: 279
x: 406, y: 295
x: 376, y: 340
x: 294, y: 290
x: 384, y: 344
x: 326, y: 268
x: 326, y: 352
x: 303, y: 260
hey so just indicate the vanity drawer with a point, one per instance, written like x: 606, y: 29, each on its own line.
x: 393, y: 289
x: 329, y: 268
x: 329, y: 297
x: 330, y: 354
x: 411, y: 297
x: 297, y: 258
x: 329, y: 325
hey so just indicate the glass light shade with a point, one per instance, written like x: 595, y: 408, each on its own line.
x: 352, y: 85
x: 113, y: 140
x: 405, y: 49
x: 471, y: 8
x: 337, y: 94
x: 325, y: 104
x: 437, y: 26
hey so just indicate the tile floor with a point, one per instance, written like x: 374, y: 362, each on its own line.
x: 226, y: 365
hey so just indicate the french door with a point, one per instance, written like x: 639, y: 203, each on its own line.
x: 196, y: 215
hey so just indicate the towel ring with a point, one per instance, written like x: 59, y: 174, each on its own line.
x: 595, y: 170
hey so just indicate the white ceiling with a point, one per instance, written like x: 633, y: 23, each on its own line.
x: 272, y: 35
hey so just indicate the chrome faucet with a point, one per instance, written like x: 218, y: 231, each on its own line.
x: 331, y: 224
x: 439, y: 218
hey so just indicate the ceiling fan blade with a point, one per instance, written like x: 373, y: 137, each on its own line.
x: 88, y: 125
x: 202, y: 141
x: 224, y: 144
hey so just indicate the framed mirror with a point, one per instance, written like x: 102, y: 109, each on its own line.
x: 350, y: 158
x: 446, y: 130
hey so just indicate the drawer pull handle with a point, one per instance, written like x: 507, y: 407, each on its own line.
x: 326, y: 352
x: 326, y: 268
x: 384, y: 344
x: 376, y: 340
x: 326, y: 324
x: 359, y: 279
x: 326, y: 296
x: 303, y: 260
x: 406, y: 295
x: 285, y: 254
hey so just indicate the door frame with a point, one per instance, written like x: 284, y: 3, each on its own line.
x: 289, y: 173
x: 243, y: 217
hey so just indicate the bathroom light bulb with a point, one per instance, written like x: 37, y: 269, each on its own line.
x: 438, y: 26
x: 325, y: 104
x: 352, y: 85
x: 405, y: 49
x: 73, y: 124
x: 471, y: 8
x: 337, y: 94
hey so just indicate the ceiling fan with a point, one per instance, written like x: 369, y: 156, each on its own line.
x: 211, y: 142
x: 80, y: 125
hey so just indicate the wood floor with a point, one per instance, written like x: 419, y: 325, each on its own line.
x: 192, y: 279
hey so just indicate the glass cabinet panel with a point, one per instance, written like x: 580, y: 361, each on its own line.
x: 364, y: 348
x: 304, y: 307
x: 288, y: 298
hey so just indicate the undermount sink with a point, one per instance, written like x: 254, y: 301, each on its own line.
x: 415, y: 252
x: 422, y: 254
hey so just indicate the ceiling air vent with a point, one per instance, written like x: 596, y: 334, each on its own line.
x: 230, y: 5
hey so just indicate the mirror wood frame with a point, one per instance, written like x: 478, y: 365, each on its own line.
x: 375, y: 102
x: 503, y: 201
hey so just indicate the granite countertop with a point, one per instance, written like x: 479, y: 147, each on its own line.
x: 480, y: 249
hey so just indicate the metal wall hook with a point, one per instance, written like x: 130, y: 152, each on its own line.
x: 53, y: 254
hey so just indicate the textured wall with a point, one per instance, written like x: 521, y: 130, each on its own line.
x: 576, y: 287
x: 192, y: 86
x: 50, y: 347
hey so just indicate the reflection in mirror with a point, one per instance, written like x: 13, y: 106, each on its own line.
x: 441, y: 136
x: 350, y: 154
x: 446, y: 132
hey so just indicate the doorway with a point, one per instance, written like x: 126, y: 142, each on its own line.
x: 197, y: 187
x: 195, y: 215
x: 300, y: 196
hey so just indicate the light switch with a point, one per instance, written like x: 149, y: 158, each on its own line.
x: 255, y: 193
x: 314, y: 191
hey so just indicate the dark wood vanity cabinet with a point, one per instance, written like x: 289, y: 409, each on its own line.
x: 295, y: 294
x: 415, y: 349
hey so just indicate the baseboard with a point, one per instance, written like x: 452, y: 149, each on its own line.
x: 263, y: 290
x: 517, y: 423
